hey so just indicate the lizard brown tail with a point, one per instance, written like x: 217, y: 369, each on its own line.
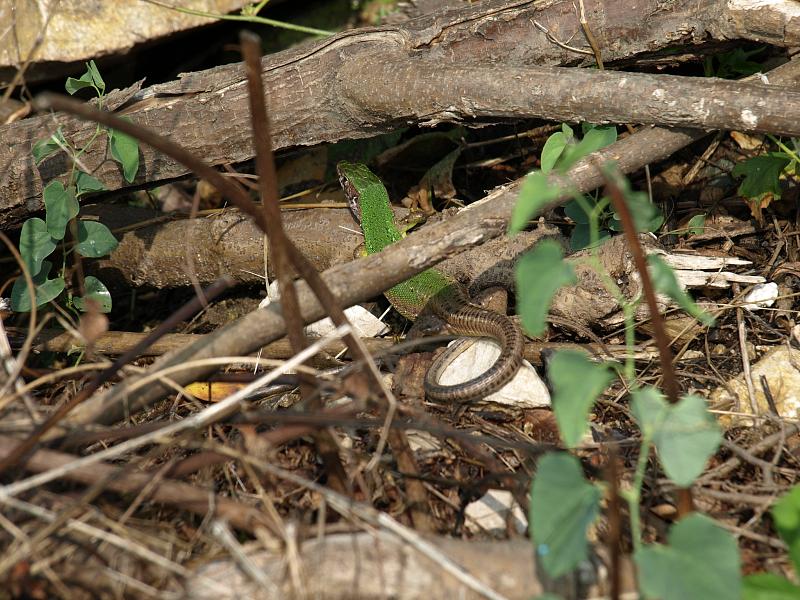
x: 464, y: 318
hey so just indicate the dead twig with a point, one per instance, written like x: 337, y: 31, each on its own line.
x: 280, y: 245
x: 671, y: 388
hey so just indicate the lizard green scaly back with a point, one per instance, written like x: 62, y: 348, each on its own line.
x: 369, y: 203
x: 434, y: 291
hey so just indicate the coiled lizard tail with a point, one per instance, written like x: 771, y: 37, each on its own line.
x: 465, y: 318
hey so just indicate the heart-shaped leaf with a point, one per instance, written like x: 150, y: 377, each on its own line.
x: 125, y: 150
x: 85, y: 183
x: 91, y: 78
x: 45, y: 289
x: 553, y: 148
x: 685, y: 434
x: 44, y: 148
x: 35, y: 244
x: 61, y: 206
x: 95, y: 239
x: 535, y: 194
x: 786, y: 514
x: 700, y: 562
x: 539, y: 274
x: 563, y: 506
x: 577, y: 382
x: 97, y: 291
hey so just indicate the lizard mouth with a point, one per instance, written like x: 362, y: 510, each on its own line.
x: 352, y: 198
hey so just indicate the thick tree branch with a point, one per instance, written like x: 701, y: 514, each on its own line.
x: 206, y: 112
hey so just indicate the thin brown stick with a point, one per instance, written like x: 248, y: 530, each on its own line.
x: 268, y: 190
x: 589, y: 35
x: 671, y: 387
x: 280, y: 245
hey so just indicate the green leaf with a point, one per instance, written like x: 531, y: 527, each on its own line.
x: 646, y: 216
x: 552, y: 150
x: 579, y: 211
x: 35, y: 244
x: 45, y: 289
x: 73, y: 85
x: 786, y: 514
x: 735, y: 64
x: 61, y: 206
x: 650, y: 410
x: 595, y: 139
x: 534, y: 195
x: 685, y: 434
x: 95, y: 239
x: 700, y: 562
x: 688, y: 437
x: 766, y: 586
x: 697, y: 224
x: 92, y: 69
x: 86, y: 184
x: 761, y: 175
x: 91, y: 78
x: 574, y: 210
x: 44, y: 148
x: 581, y: 237
x: 563, y: 506
x: 97, y: 291
x: 577, y: 382
x: 665, y: 282
x: 539, y: 274
x: 125, y: 150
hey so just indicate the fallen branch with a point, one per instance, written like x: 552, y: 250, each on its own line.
x: 378, y: 565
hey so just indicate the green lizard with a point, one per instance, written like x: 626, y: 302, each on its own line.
x: 432, y: 291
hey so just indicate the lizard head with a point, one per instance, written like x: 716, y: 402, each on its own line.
x: 346, y: 172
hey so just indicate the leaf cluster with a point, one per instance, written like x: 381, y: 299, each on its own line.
x: 40, y: 238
